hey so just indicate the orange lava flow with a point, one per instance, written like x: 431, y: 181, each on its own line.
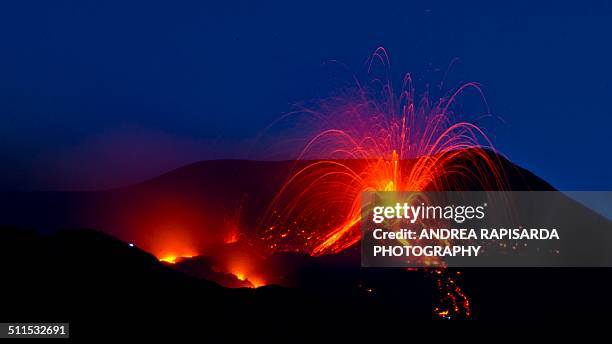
x: 172, y: 259
x: 254, y: 281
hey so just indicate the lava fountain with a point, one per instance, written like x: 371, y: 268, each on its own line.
x: 373, y: 138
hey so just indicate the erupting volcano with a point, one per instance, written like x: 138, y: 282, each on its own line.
x: 272, y: 231
x: 238, y: 168
x: 374, y: 138
x: 369, y: 137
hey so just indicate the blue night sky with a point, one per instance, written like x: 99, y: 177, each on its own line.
x: 95, y: 94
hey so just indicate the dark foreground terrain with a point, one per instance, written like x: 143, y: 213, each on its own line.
x: 104, y: 287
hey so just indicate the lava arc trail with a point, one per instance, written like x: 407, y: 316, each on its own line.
x: 374, y: 139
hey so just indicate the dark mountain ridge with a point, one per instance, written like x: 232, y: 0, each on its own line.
x: 90, y: 277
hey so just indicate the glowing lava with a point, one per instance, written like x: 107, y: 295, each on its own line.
x: 372, y: 139
x: 245, y: 268
x: 171, y: 259
x: 253, y: 280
